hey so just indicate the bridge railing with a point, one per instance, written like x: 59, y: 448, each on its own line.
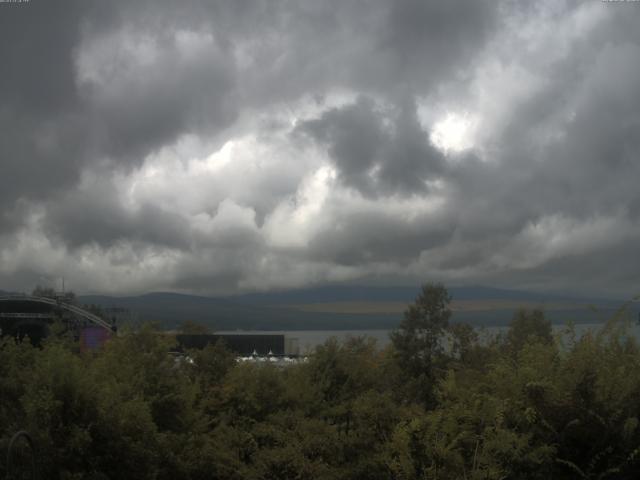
x: 58, y: 303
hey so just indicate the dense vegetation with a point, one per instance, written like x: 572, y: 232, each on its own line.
x: 438, y: 403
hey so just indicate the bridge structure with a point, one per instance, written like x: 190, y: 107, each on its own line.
x: 28, y: 314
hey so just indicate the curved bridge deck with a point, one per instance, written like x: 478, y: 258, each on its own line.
x: 95, y: 319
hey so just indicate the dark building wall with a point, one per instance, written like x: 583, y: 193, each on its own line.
x: 240, y: 344
x: 23, y: 306
x: 36, y: 328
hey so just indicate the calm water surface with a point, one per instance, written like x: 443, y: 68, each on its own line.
x: 309, y: 339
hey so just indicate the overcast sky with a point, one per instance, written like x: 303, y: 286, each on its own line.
x: 237, y: 145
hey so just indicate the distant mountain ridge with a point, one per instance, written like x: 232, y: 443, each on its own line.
x: 362, y: 293
x: 298, y: 309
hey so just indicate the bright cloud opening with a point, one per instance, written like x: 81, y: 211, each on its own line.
x: 454, y: 133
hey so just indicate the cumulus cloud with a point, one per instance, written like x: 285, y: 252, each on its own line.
x: 225, y: 146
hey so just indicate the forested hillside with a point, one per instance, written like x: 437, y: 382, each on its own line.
x: 435, y: 404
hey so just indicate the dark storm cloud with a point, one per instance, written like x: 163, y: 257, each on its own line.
x: 568, y: 158
x: 38, y: 74
x: 591, y: 164
x: 57, y: 120
x: 99, y: 217
x: 55, y: 124
x: 143, y: 103
x: 392, y: 48
x: 377, y: 152
x: 425, y: 41
x: 39, y: 148
x: 356, y: 238
x: 104, y: 90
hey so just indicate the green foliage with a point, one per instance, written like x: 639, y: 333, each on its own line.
x: 526, y: 406
x: 212, y: 364
x: 189, y: 327
x: 418, y: 341
x: 528, y: 326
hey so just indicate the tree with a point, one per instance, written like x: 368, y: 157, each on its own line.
x: 529, y: 326
x: 418, y: 339
x: 464, y: 342
x: 189, y: 327
x: 212, y: 363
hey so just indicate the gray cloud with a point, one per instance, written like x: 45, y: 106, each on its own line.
x: 375, y: 151
x: 57, y: 119
x: 425, y: 41
x: 37, y: 101
x: 357, y: 238
x: 225, y: 146
x: 82, y: 219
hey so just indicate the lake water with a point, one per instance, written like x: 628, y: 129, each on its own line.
x: 309, y: 339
